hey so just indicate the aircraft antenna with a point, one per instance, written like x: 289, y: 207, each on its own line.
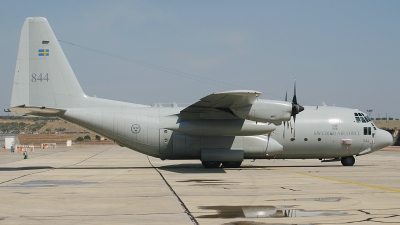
x: 164, y: 69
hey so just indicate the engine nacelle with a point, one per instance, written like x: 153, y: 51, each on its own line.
x: 222, y: 148
x: 266, y: 111
x: 260, y: 147
x: 228, y: 127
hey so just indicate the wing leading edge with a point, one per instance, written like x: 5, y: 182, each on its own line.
x: 241, y: 104
x: 218, y: 105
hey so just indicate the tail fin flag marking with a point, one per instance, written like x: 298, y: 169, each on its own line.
x: 44, y: 52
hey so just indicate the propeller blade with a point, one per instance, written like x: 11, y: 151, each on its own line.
x: 284, y: 126
x: 284, y: 122
x: 291, y: 128
x: 294, y: 128
x: 294, y: 101
x: 286, y: 96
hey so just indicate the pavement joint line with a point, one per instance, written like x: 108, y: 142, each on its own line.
x: 339, y: 180
x: 91, y: 156
x: 187, y: 211
x: 25, y: 175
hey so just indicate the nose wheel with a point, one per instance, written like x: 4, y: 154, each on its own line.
x: 348, y: 160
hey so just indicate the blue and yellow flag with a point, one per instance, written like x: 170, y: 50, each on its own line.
x: 43, y: 52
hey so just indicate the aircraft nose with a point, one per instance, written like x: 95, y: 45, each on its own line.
x: 382, y: 139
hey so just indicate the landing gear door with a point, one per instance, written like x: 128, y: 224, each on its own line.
x: 165, y: 141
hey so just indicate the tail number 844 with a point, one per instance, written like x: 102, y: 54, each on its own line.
x: 39, y: 77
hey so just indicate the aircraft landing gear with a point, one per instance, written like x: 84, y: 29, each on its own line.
x: 228, y: 164
x: 211, y: 164
x: 232, y: 164
x: 348, y: 160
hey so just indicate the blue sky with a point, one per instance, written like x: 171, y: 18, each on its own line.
x: 343, y: 53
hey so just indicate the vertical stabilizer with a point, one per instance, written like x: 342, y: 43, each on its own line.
x: 43, y: 76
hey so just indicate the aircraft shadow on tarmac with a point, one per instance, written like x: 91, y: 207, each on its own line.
x: 184, y: 168
x: 191, y: 168
x: 297, y: 166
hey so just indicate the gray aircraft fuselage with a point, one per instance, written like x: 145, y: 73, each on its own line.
x: 320, y: 133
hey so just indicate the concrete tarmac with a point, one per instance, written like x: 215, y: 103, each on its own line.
x: 114, y: 185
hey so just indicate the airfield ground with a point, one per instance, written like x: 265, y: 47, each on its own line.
x: 114, y: 185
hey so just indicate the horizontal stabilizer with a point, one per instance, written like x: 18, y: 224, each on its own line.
x: 35, y: 111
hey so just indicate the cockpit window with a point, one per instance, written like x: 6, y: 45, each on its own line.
x: 361, y: 118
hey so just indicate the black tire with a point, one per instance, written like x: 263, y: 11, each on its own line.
x: 211, y: 164
x: 348, y: 160
x: 232, y: 164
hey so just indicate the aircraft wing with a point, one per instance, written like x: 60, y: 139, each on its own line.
x: 218, y: 105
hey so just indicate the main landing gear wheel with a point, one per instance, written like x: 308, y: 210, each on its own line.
x: 348, y: 160
x: 211, y: 164
x: 232, y: 164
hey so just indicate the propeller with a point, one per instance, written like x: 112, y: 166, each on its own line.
x: 296, y: 109
x: 284, y: 122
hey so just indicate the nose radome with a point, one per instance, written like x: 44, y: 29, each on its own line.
x: 382, y: 139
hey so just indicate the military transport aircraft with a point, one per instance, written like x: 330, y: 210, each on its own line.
x: 225, y: 127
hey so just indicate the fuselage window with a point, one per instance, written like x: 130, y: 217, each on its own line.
x: 319, y: 139
x: 367, y: 130
x: 305, y: 139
